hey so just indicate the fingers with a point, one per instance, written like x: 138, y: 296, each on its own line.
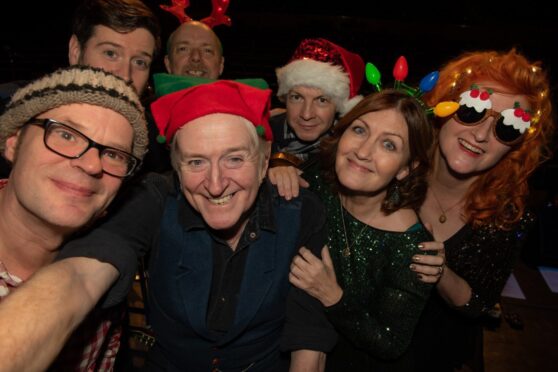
x: 303, y: 183
x: 326, y: 258
x: 432, y: 247
x: 429, y: 260
x: 286, y: 179
x: 429, y: 268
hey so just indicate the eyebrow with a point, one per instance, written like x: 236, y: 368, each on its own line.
x: 118, y: 46
x: 385, y: 133
x: 226, y: 152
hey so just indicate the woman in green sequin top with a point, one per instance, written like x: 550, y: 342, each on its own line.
x: 374, y: 178
x: 477, y: 195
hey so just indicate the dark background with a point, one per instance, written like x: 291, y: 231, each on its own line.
x: 34, y: 35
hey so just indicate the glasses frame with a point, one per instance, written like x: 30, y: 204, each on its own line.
x: 497, y: 116
x: 46, y: 123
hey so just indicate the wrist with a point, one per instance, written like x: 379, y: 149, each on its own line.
x: 334, y: 297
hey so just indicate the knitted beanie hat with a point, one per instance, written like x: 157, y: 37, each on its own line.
x: 75, y: 84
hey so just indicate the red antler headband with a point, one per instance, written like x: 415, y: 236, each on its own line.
x: 217, y: 17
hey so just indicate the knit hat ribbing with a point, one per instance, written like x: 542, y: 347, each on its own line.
x: 76, y: 84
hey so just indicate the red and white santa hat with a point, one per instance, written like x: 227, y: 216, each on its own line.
x: 319, y: 63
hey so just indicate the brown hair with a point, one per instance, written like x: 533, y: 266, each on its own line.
x: 498, y: 196
x: 412, y: 189
x: 120, y: 15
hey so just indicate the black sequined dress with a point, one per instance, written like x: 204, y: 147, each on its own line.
x: 447, y: 337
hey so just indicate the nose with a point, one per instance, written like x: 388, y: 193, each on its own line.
x: 90, y: 162
x: 307, y: 112
x: 481, y: 131
x: 364, y: 150
x: 123, y: 70
x: 195, y: 55
x: 217, y: 182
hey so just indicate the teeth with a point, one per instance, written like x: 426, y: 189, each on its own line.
x: 221, y: 201
x: 195, y: 73
x: 470, y: 147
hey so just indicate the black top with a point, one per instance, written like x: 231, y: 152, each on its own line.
x: 446, y: 337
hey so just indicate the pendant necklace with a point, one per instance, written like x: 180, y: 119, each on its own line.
x: 443, y: 217
x: 347, y: 249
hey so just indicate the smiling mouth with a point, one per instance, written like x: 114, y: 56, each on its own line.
x: 222, y: 200
x: 74, y: 189
x: 358, y: 167
x: 195, y: 73
x: 470, y: 147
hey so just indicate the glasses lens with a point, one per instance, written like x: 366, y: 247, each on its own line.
x: 118, y: 163
x: 64, y: 140
x: 468, y: 115
x: 506, y: 133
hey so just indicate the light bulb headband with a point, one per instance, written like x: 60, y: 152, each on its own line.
x: 400, y: 72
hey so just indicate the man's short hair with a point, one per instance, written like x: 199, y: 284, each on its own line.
x: 119, y: 15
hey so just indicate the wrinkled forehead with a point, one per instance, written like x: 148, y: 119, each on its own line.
x: 308, y: 91
x: 230, y: 131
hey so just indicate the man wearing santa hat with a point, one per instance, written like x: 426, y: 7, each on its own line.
x: 320, y: 83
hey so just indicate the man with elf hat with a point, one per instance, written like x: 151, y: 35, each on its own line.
x: 221, y: 240
x: 320, y: 83
x: 72, y: 137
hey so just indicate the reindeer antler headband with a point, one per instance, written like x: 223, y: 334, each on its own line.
x: 217, y: 17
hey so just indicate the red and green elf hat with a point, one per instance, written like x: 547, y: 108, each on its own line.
x: 174, y: 110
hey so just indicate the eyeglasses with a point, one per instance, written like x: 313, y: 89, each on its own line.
x: 72, y: 144
x: 509, y: 127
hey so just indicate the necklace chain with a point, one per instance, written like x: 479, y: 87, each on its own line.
x: 443, y: 217
x: 347, y: 249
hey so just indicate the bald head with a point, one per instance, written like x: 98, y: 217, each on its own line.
x: 193, y: 49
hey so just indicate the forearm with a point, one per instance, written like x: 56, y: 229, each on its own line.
x: 454, y: 289
x: 37, y: 319
x: 307, y: 361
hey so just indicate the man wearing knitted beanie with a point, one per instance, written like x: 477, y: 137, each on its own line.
x: 320, y: 83
x: 72, y: 137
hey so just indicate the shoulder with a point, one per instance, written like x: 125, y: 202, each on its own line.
x: 310, y: 201
x: 402, y: 220
x: 149, y: 186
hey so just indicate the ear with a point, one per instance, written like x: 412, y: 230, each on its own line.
x: 404, y: 172
x: 11, y: 145
x: 167, y: 64
x: 267, y: 155
x: 222, y: 66
x: 74, y: 50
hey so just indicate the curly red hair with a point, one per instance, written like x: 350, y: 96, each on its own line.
x: 499, y: 195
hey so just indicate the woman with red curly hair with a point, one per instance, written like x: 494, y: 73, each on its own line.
x: 476, y: 198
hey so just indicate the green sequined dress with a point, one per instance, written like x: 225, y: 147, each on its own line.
x: 382, y: 298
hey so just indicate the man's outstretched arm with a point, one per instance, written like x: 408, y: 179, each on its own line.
x: 38, y: 317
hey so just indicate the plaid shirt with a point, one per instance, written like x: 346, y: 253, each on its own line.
x: 93, y: 345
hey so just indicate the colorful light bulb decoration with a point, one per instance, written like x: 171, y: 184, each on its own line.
x: 373, y: 76
x: 427, y: 83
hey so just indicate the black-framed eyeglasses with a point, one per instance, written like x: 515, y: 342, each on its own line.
x: 70, y: 143
x: 505, y: 132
